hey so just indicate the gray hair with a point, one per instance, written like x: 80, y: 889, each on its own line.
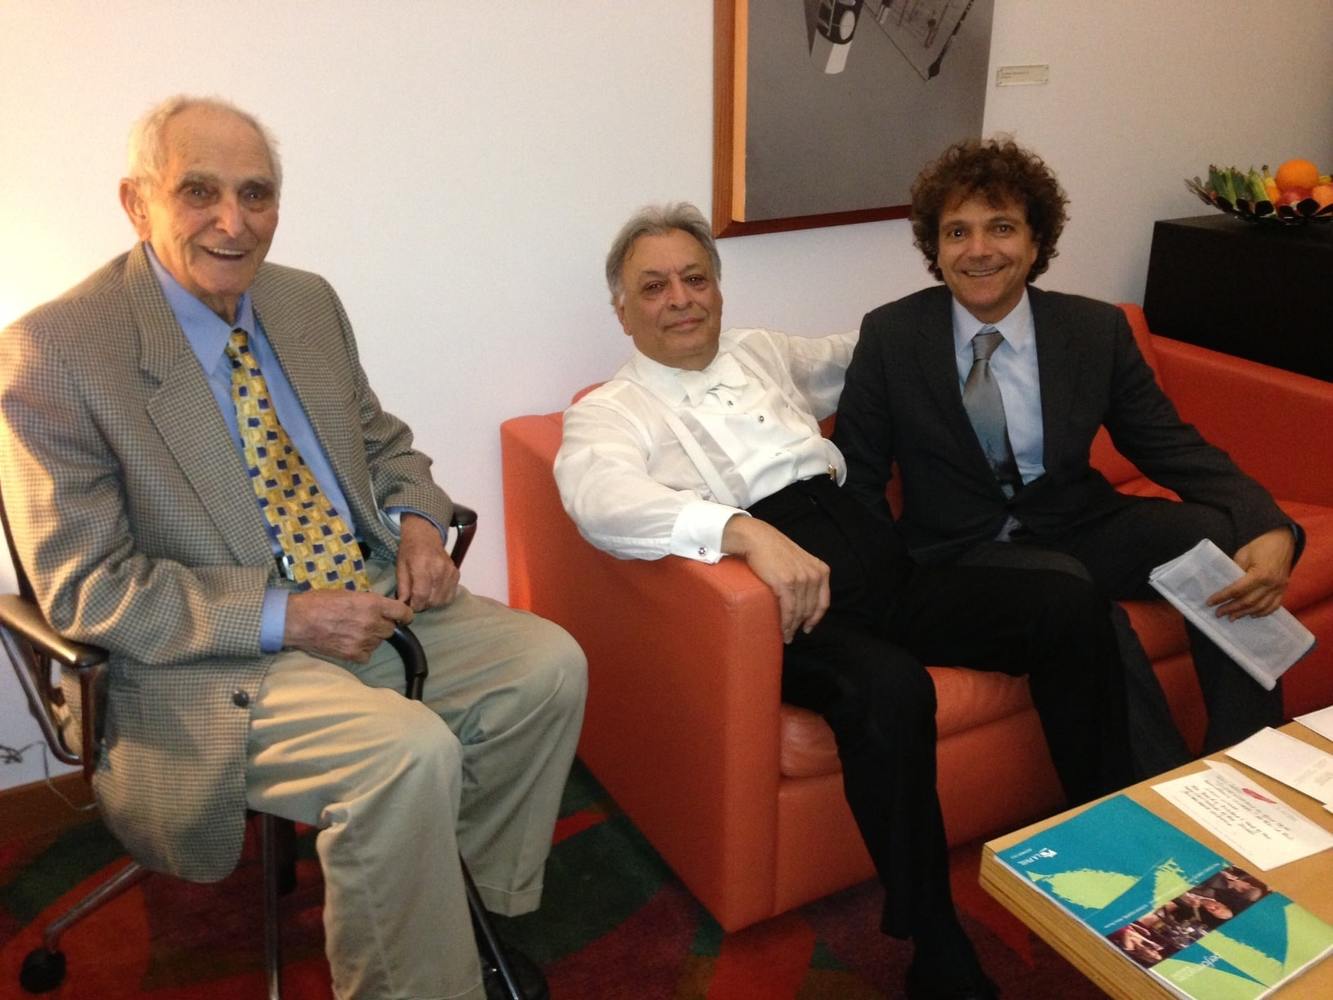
x: 148, y: 149
x: 658, y: 220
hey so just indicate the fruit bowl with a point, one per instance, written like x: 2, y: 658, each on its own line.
x: 1305, y: 211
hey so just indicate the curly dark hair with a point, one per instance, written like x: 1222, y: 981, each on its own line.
x: 999, y: 170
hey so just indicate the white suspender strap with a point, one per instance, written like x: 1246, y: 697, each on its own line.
x: 705, y: 466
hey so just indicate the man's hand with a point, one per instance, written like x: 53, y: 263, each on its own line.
x: 1267, y: 565
x: 798, y: 579
x: 343, y: 624
x: 427, y: 577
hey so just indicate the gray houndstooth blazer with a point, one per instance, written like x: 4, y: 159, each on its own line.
x: 138, y: 527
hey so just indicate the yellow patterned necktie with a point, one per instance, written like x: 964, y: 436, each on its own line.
x: 321, y: 548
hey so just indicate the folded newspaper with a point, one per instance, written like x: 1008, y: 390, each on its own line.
x: 1263, y: 647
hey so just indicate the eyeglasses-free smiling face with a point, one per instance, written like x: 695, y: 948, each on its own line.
x: 211, y: 215
x: 671, y: 305
x: 985, y: 254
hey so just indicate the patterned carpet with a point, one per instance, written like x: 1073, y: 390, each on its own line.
x: 614, y: 924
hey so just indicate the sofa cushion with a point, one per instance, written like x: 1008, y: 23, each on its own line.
x: 966, y: 698
x: 806, y: 747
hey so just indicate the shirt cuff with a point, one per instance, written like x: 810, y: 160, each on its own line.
x: 697, y: 533
x: 273, y: 619
x: 1298, y: 534
x: 396, y: 516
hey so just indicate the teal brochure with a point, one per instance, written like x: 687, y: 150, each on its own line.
x: 1182, y: 912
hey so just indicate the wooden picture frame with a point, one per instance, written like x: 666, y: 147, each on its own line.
x: 734, y: 69
x: 729, y: 94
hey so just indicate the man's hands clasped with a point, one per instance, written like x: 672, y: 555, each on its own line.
x: 342, y: 624
x: 349, y: 625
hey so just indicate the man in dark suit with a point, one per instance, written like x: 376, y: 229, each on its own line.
x: 170, y: 426
x: 987, y: 394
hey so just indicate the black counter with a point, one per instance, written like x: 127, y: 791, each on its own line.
x: 1261, y: 291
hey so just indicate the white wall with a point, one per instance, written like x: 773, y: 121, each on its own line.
x: 457, y: 170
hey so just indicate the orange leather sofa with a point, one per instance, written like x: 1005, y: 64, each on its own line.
x: 741, y: 794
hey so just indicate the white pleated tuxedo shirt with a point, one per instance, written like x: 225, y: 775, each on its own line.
x: 632, y: 487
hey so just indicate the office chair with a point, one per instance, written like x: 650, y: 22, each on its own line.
x: 33, y: 648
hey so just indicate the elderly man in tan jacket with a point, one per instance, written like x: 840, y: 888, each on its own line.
x: 201, y: 480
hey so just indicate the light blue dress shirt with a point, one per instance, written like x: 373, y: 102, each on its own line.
x: 1014, y: 366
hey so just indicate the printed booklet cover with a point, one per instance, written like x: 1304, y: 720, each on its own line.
x: 1207, y: 929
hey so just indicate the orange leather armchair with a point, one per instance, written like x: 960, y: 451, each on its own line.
x: 741, y: 794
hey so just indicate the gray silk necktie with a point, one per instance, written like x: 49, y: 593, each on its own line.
x: 985, y: 408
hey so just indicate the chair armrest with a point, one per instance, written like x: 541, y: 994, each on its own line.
x: 691, y: 651
x: 684, y: 663
x: 683, y: 713
x: 1273, y: 423
x: 680, y: 651
x: 707, y: 635
x: 464, y: 519
x: 25, y: 618
x: 25, y: 633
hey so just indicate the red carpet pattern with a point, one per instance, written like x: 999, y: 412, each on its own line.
x: 615, y: 923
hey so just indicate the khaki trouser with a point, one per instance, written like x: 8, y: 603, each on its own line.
x: 399, y: 788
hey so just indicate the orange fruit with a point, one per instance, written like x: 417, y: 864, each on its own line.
x: 1322, y: 193
x: 1296, y: 174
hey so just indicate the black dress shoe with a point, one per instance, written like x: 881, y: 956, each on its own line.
x: 527, y: 976
x: 921, y: 986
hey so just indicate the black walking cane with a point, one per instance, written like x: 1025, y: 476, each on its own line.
x: 415, y: 670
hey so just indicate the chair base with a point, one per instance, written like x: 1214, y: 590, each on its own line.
x: 42, y: 970
x: 44, y: 967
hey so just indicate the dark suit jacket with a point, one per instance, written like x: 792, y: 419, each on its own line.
x: 138, y: 526
x: 902, y: 403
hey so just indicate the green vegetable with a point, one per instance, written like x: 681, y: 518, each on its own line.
x: 1240, y: 185
x: 1255, y: 182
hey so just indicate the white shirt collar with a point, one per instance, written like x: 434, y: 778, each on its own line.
x: 1016, y: 327
x: 679, y: 384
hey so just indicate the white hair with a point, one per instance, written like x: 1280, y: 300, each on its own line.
x: 658, y: 220
x: 148, y: 148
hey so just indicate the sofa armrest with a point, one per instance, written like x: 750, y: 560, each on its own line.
x: 1273, y: 423
x: 684, y: 663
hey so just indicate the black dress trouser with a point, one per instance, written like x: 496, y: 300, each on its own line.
x: 862, y: 669
x: 1121, y: 548
x: 1116, y: 551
